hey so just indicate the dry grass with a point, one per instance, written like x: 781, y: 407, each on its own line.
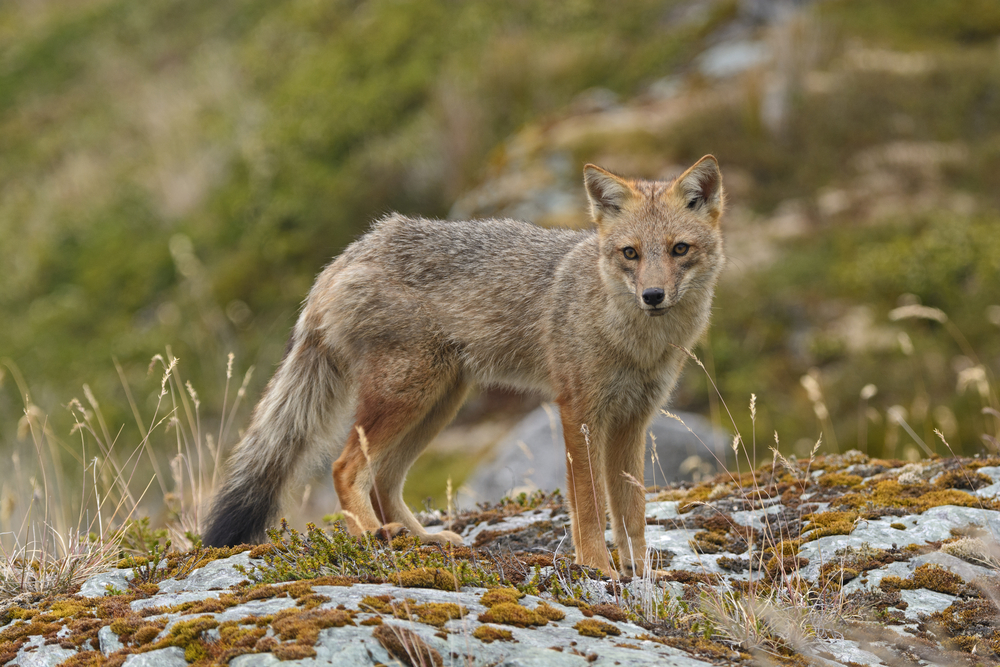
x: 59, y: 539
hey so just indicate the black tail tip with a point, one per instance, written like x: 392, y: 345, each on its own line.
x: 236, y: 519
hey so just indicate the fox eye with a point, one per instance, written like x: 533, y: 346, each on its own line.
x: 630, y: 253
x: 679, y: 249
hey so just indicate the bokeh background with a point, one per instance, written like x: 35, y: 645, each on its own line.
x: 174, y: 173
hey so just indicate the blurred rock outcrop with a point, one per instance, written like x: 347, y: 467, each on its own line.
x: 532, y: 456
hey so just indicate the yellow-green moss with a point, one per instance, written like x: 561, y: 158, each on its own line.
x: 511, y: 613
x: 917, y: 497
x: 709, y: 542
x: 303, y: 626
x: 312, y: 601
x: 963, y: 479
x: 427, y: 577
x: 936, y: 578
x: 431, y: 613
x: 828, y: 523
x: 489, y: 634
x: 930, y: 576
x: 549, y: 612
x: 292, y: 651
x: 837, y: 479
x: 591, y: 627
x: 498, y: 595
x: 376, y: 603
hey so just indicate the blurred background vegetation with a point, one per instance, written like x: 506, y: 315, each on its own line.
x: 176, y: 172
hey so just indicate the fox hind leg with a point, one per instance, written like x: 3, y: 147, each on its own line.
x: 403, y: 401
x: 392, y: 468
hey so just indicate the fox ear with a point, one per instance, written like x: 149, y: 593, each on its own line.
x: 701, y: 187
x: 607, y: 192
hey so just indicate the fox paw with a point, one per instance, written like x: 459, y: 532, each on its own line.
x: 387, y: 532
x: 649, y: 573
x: 443, y: 537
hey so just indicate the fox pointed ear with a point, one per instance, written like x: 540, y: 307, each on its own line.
x: 701, y: 187
x: 607, y: 192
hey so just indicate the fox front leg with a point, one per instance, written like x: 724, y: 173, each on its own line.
x: 627, y: 496
x: 584, y: 475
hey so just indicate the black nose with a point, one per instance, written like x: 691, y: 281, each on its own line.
x: 653, y: 296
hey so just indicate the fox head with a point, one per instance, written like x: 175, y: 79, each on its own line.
x: 658, y: 239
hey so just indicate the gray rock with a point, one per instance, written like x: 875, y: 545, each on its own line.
x: 256, y: 608
x: 108, y: 641
x: 172, y: 656
x: 990, y: 491
x: 216, y: 575
x: 256, y: 660
x: 349, y: 646
x: 968, y: 571
x: 923, y: 601
x: 170, y: 599
x: 847, y: 651
x: 560, y: 525
x: 872, y: 578
x: 533, y: 456
x: 934, y: 525
x: 753, y: 517
x: 35, y: 654
x: 993, y: 472
x: 96, y: 586
x: 731, y: 58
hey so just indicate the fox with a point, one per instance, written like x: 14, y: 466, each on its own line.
x: 412, y: 315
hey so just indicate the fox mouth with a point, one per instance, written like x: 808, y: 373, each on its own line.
x: 656, y: 312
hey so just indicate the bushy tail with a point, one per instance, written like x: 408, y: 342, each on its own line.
x: 292, y: 425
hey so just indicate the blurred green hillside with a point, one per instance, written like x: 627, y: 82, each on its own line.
x: 176, y: 173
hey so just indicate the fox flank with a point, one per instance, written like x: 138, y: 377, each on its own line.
x: 398, y: 328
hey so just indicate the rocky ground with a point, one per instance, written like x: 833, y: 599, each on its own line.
x: 835, y: 560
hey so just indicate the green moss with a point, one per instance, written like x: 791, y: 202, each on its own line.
x: 237, y: 636
x: 334, y: 557
x: 186, y: 631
